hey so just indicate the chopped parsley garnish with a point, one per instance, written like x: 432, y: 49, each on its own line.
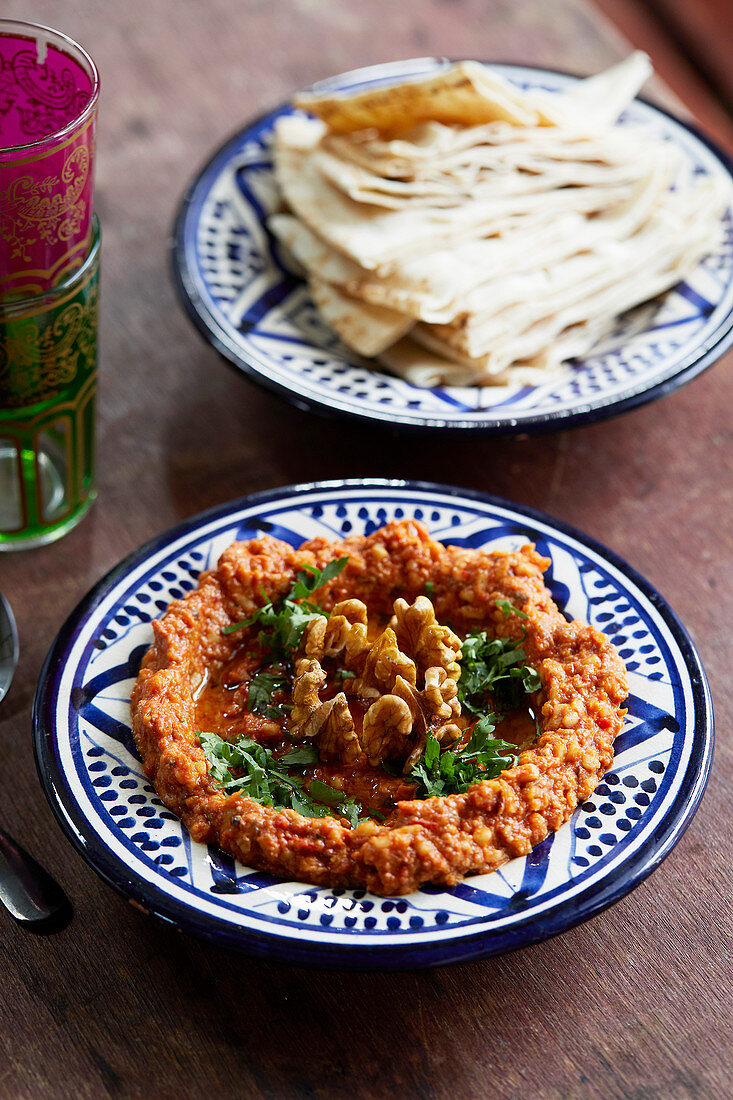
x: 452, y: 771
x: 265, y: 777
x: 262, y: 687
x: 282, y: 623
x: 429, y: 589
x: 497, y: 666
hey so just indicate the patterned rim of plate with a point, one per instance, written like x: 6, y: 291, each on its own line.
x: 92, y: 777
x: 232, y: 282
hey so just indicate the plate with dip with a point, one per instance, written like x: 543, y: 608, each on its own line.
x: 238, y: 286
x: 91, y: 772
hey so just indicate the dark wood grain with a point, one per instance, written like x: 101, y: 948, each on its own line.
x: 690, y: 44
x: 636, y: 1003
x: 703, y: 31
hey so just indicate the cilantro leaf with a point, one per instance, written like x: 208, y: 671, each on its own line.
x: 261, y: 688
x: 432, y: 752
x: 233, y: 627
x: 347, y: 807
x: 509, y: 609
x: 320, y: 790
x: 310, y: 578
x: 300, y: 756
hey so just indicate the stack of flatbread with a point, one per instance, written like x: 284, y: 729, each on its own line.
x: 464, y: 232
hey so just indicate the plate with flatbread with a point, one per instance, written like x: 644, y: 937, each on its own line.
x: 465, y: 247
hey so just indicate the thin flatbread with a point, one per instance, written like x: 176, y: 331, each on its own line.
x: 650, y: 262
x: 433, y: 149
x: 440, y: 286
x: 373, y: 237
x: 467, y: 232
x: 423, y: 368
x: 466, y: 94
x: 470, y: 94
x: 527, y: 175
x: 365, y: 328
x: 426, y: 362
x: 602, y: 99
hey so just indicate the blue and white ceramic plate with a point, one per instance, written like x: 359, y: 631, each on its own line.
x: 93, y: 778
x: 232, y: 281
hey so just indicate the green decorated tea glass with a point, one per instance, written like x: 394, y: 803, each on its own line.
x: 48, y: 379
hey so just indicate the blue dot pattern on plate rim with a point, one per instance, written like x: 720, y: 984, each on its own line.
x: 266, y: 314
x: 100, y: 763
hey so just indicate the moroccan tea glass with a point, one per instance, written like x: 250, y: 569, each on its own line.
x: 48, y: 376
x: 49, y: 89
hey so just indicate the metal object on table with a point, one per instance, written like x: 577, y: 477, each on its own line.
x: 8, y: 646
x: 27, y: 891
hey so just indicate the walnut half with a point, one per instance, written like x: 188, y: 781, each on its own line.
x: 344, y: 631
x: 329, y: 723
x: 418, y: 632
x: 384, y: 663
x: 387, y: 729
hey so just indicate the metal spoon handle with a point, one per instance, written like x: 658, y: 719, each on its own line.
x: 33, y: 897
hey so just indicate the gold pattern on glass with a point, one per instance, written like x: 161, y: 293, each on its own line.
x: 37, y: 360
x: 50, y: 209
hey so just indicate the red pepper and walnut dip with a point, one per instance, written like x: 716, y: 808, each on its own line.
x: 374, y: 677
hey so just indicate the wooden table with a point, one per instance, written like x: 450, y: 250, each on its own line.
x: 632, y: 1004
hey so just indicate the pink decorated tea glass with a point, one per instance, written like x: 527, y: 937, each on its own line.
x: 49, y: 89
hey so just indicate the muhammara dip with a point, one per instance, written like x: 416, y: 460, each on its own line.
x: 310, y: 715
